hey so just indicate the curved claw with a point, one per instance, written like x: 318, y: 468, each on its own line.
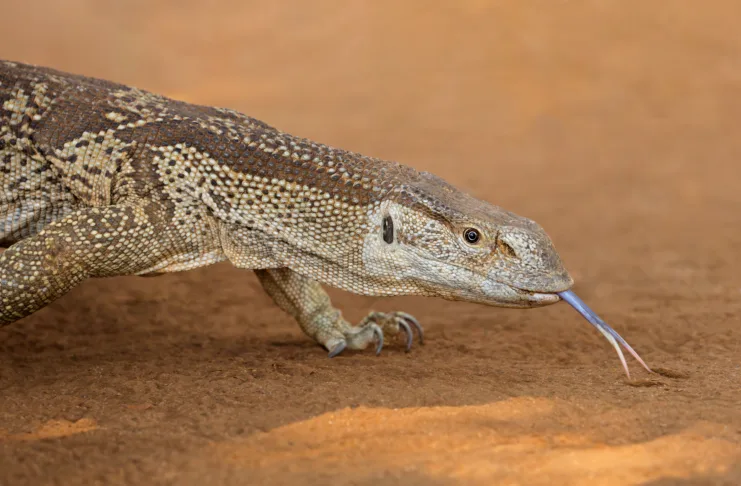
x: 410, y: 336
x: 337, y: 349
x: 414, y: 322
x: 379, y: 336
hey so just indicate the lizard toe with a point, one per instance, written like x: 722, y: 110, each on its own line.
x: 410, y: 335
x: 378, y: 333
x: 373, y: 330
x: 396, y: 322
x: 357, y: 338
x: 410, y: 319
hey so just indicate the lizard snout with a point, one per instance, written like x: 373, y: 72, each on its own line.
x: 527, y: 260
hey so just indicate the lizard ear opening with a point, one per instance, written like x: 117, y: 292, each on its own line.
x: 388, y: 230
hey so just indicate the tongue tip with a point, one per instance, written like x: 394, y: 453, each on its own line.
x: 645, y: 366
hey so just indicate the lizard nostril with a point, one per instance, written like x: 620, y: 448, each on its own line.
x: 506, y: 249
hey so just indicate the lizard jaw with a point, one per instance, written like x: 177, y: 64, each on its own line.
x: 503, y: 295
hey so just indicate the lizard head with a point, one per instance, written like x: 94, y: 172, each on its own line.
x: 432, y: 239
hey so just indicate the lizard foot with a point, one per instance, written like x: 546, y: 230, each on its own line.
x: 373, y: 327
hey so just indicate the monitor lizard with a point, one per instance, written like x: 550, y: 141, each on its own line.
x: 98, y: 179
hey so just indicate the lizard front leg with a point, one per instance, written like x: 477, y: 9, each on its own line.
x: 91, y: 242
x: 306, y: 300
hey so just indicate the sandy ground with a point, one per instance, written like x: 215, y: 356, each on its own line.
x: 613, y: 123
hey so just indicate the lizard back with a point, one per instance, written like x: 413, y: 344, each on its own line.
x: 69, y: 141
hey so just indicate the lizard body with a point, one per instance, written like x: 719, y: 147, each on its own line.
x: 98, y: 179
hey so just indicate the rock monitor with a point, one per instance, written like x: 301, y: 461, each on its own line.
x: 98, y: 179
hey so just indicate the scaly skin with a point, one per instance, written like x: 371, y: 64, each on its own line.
x: 99, y: 179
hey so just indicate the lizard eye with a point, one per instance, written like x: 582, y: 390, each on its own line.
x: 388, y: 230
x: 472, y: 236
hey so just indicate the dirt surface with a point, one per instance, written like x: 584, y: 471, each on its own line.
x: 613, y: 123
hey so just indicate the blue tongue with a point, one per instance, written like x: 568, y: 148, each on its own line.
x: 609, y: 333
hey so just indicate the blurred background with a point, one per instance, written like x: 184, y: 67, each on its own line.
x: 613, y: 123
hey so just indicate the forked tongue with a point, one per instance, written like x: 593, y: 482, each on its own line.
x: 611, y: 335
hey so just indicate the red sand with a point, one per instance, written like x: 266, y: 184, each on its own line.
x: 614, y: 124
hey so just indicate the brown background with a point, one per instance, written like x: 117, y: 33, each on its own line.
x: 613, y: 123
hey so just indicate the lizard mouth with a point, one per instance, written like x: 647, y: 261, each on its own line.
x: 539, y: 298
x: 504, y: 295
